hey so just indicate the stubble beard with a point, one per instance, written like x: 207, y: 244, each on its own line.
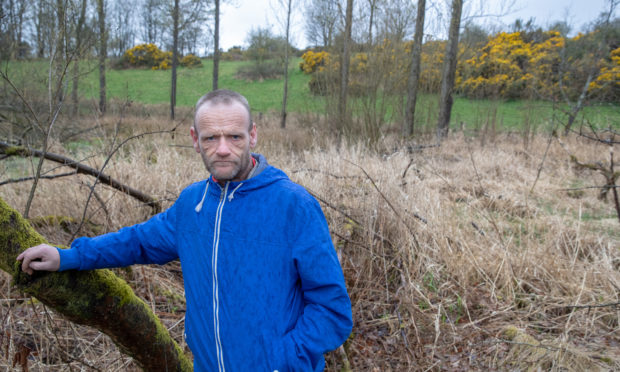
x: 226, y: 175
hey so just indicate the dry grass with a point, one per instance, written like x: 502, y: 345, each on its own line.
x: 460, y: 257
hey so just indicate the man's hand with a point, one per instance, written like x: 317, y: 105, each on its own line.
x: 40, y: 257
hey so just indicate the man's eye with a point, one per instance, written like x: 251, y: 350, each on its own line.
x: 211, y: 138
x: 236, y: 137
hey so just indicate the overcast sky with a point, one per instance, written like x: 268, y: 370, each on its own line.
x: 237, y: 20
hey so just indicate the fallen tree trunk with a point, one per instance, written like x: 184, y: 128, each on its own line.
x: 96, y: 298
x: 11, y: 150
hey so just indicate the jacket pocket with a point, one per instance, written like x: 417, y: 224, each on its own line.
x: 275, y: 353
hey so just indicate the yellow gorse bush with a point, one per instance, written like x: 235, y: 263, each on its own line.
x: 148, y: 55
x: 510, y: 65
x: 609, y: 75
x: 313, y: 61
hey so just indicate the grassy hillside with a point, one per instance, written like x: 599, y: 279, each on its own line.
x: 153, y: 87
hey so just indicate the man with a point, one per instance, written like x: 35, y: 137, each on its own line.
x: 263, y: 286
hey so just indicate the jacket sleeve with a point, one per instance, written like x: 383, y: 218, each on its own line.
x: 326, y: 321
x: 152, y: 241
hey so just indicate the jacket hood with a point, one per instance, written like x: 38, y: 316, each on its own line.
x: 263, y: 176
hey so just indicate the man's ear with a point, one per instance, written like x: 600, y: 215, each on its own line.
x: 253, y: 136
x: 194, y: 134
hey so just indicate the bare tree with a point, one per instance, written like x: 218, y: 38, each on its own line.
x: 121, y: 26
x: 175, y: 56
x: 344, y: 67
x: 372, y: 7
x: 321, y: 22
x: 183, y: 15
x: 103, y: 53
x: 79, y: 39
x: 288, y: 7
x: 152, y: 23
x: 449, y: 70
x: 216, y: 45
x: 13, y: 14
x: 396, y: 18
x: 44, y: 25
x: 414, y: 74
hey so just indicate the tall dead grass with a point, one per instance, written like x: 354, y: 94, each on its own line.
x: 460, y: 257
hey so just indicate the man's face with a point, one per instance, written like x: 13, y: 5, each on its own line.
x: 223, y: 139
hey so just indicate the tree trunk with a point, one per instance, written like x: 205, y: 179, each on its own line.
x: 59, y: 57
x: 216, y: 45
x: 175, y: 46
x: 344, y: 68
x: 103, y: 51
x: 449, y: 71
x: 76, y: 62
x: 414, y: 75
x: 286, y: 65
x: 372, y: 4
x: 95, y: 298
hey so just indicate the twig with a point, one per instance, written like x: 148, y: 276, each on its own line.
x: 612, y: 304
x: 475, y: 226
x: 413, y: 235
x: 17, y: 180
x: 322, y: 200
x: 589, y: 187
x: 416, y: 148
x: 542, y: 162
x: 323, y: 172
x: 612, y: 181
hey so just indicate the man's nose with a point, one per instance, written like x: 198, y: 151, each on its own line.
x: 223, y: 147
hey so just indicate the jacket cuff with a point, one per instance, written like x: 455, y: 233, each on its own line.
x: 69, y: 259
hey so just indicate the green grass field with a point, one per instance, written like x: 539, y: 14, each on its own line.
x: 153, y: 87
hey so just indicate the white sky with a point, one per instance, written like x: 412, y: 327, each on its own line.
x: 238, y: 19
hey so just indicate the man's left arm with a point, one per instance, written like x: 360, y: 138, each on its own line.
x: 326, y: 321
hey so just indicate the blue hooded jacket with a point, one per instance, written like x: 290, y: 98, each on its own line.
x: 263, y: 286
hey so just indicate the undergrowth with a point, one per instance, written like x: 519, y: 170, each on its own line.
x: 458, y: 257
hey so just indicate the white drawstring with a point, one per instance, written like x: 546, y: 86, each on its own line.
x: 231, y: 196
x: 199, y: 205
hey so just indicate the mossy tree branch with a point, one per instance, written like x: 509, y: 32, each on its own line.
x: 95, y: 298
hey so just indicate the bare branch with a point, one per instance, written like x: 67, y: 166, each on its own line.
x: 23, y: 179
x: 82, y: 169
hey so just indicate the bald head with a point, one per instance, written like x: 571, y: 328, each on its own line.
x: 222, y: 97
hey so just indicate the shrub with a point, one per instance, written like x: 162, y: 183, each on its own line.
x: 270, y: 69
x: 147, y: 55
x: 233, y: 54
x: 190, y: 61
x: 313, y: 61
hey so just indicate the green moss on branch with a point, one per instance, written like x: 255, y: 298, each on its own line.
x: 96, y: 298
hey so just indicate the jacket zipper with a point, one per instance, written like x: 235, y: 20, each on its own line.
x: 216, y: 298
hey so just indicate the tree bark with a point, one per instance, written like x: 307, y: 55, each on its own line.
x: 95, y: 298
x: 414, y: 75
x: 76, y: 62
x: 344, y: 68
x: 103, y: 52
x: 216, y: 45
x: 449, y: 71
x: 286, y: 64
x: 372, y: 4
x: 175, y: 54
